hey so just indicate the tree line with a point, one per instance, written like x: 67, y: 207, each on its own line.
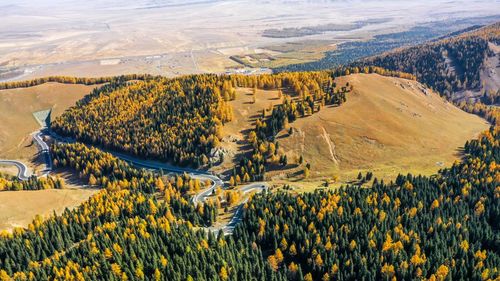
x: 73, y: 80
x: 101, y: 169
x: 11, y: 183
x: 443, y: 227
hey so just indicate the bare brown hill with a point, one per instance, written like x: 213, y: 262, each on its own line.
x: 388, y: 125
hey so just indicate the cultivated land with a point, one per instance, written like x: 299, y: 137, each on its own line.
x: 387, y: 126
x: 16, y: 112
x: 99, y: 38
x: 18, y: 208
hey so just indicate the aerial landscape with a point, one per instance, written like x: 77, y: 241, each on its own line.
x: 250, y: 140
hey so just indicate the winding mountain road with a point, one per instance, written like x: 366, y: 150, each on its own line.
x: 200, y: 197
x: 43, y: 148
x: 229, y: 227
x: 23, y: 173
x: 23, y: 170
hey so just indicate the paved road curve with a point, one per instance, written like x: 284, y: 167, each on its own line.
x: 23, y: 170
x: 200, y: 197
x: 23, y: 173
x: 43, y: 148
x: 238, y: 214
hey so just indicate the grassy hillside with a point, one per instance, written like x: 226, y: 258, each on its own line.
x: 16, y: 112
x: 443, y: 227
x: 19, y: 208
x: 178, y: 120
x: 388, y: 125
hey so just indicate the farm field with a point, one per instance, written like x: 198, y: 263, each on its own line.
x: 97, y: 39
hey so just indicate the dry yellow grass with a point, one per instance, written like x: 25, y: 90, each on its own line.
x: 17, y: 106
x: 387, y: 126
x: 19, y: 208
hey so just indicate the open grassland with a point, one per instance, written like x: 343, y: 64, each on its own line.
x: 19, y: 208
x: 16, y: 112
x: 387, y: 126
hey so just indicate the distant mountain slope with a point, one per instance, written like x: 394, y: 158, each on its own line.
x: 388, y: 125
x: 352, y: 51
x: 450, y: 66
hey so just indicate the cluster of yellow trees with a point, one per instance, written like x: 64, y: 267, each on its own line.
x: 72, y: 80
x: 8, y: 183
x: 415, y: 227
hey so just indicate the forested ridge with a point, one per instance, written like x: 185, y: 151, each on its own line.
x: 353, y: 50
x: 170, y: 119
x: 447, y: 65
x: 180, y: 119
x: 444, y: 227
x: 439, y: 228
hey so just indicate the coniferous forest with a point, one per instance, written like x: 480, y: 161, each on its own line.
x: 447, y: 65
x: 143, y: 225
x: 442, y: 228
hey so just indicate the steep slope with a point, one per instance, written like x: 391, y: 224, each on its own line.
x: 489, y: 80
x: 455, y: 67
x: 388, y: 125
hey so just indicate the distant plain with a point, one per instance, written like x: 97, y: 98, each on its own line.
x: 96, y: 38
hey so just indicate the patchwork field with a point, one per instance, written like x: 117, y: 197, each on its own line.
x: 101, y: 38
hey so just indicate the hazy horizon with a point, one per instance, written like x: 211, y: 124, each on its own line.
x: 207, y: 31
